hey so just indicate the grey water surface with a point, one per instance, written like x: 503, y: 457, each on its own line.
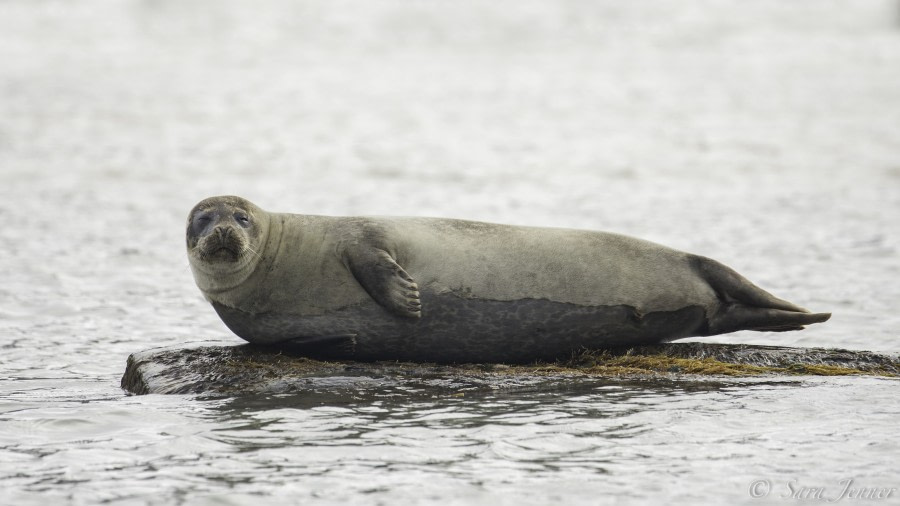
x: 763, y: 134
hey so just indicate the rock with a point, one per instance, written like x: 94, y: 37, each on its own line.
x: 248, y: 369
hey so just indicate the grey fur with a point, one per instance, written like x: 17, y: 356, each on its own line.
x: 448, y: 290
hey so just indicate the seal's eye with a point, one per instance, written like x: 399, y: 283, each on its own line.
x: 202, y: 220
x: 242, y: 219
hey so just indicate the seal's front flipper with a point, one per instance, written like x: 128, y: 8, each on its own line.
x: 384, y: 280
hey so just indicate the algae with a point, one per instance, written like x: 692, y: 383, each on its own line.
x: 604, y: 363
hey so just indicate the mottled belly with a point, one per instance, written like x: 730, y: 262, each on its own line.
x: 454, y: 329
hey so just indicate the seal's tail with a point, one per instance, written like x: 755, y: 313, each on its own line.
x: 746, y: 306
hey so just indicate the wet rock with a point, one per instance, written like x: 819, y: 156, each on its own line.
x: 229, y: 370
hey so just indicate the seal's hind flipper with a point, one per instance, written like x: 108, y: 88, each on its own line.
x: 745, y: 306
x: 384, y: 280
x: 731, y: 287
x: 735, y: 317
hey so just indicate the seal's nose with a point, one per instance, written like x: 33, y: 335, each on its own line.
x: 223, y: 233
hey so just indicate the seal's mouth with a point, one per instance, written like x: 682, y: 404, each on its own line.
x: 223, y: 253
x: 221, y: 246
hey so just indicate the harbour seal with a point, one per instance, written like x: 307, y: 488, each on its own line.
x: 453, y: 291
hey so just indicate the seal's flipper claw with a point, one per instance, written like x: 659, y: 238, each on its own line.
x: 385, y: 281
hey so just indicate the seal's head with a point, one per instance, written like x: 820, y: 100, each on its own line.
x: 224, y: 239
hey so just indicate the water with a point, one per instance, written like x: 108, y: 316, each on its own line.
x: 765, y: 135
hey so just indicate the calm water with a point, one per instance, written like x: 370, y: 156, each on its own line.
x: 763, y: 134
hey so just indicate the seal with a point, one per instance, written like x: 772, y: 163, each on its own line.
x: 454, y: 291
